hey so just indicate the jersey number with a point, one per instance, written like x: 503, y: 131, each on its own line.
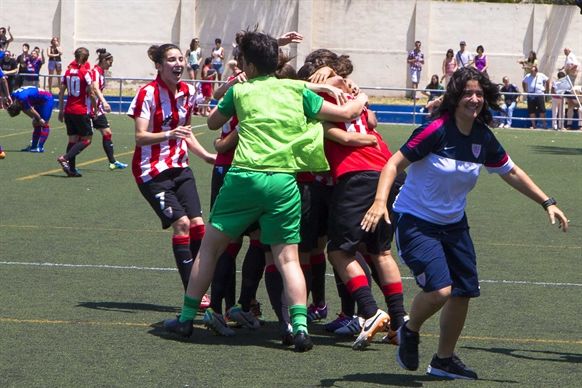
x: 161, y: 197
x: 74, y: 86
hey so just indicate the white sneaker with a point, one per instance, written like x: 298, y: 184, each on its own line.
x: 371, y: 326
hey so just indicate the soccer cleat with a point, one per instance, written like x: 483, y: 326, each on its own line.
x: 353, y: 327
x: 183, y: 329
x: 75, y: 173
x: 340, y: 321
x: 255, y: 308
x: 2, y: 154
x: 286, y: 332
x: 316, y: 313
x: 392, y: 336
x: 371, y: 326
x: 26, y: 149
x: 407, y: 353
x: 204, y: 302
x: 38, y: 150
x: 450, y: 368
x: 243, y: 318
x: 302, y: 342
x: 117, y: 166
x: 65, y: 165
x: 216, y: 323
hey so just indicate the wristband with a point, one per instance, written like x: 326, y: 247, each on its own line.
x: 549, y: 202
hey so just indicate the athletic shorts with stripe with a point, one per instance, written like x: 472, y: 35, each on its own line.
x: 271, y: 198
x: 438, y: 255
x: 352, y: 196
x: 173, y: 194
x: 100, y: 122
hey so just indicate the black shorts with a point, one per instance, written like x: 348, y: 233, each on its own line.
x: 315, y: 204
x: 536, y: 105
x: 352, y: 196
x: 78, y: 125
x: 218, y: 174
x: 173, y: 194
x: 100, y: 122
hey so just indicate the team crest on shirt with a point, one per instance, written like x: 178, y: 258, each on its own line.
x: 476, y: 148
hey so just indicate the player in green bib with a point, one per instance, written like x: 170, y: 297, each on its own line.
x: 275, y: 142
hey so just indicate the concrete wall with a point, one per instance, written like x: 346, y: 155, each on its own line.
x: 375, y: 33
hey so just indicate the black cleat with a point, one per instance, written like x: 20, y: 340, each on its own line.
x: 286, y: 332
x: 302, y: 342
x: 407, y: 353
x: 65, y: 165
x: 183, y: 329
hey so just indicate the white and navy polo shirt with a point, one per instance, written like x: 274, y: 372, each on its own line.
x: 445, y: 167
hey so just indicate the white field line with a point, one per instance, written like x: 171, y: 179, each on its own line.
x: 165, y: 269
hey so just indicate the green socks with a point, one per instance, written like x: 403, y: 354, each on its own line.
x: 298, y: 314
x: 190, y: 308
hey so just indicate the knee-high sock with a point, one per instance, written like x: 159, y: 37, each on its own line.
x: 348, y: 303
x: 395, y: 301
x: 274, y: 285
x: 360, y: 290
x: 308, y: 276
x: 71, y: 161
x: 252, y: 272
x: 77, y: 148
x: 108, y: 147
x: 189, y: 308
x: 35, y: 136
x: 196, y: 234
x: 230, y: 291
x: 298, y: 313
x: 222, y: 278
x: 183, y: 257
x: 318, y: 279
x: 43, y: 136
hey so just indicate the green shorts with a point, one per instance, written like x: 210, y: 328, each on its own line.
x: 271, y: 198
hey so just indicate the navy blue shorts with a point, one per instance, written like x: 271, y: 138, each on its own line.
x: 438, y: 255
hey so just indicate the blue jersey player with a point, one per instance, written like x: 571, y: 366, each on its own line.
x: 444, y: 158
x: 37, y: 104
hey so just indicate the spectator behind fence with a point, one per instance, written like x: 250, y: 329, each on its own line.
x: 573, y: 106
x: 33, y: 65
x: 54, y: 53
x: 529, y: 62
x: 218, y: 58
x: 509, y: 101
x: 9, y: 66
x: 560, y: 86
x: 434, y: 89
x: 5, y: 40
x: 21, y: 60
x: 480, y: 61
x: 449, y: 66
x: 570, y: 65
x: 536, y: 84
x: 415, y: 61
x: 463, y: 58
x: 194, y: 57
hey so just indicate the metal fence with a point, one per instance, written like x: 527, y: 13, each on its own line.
x: 412, y: 112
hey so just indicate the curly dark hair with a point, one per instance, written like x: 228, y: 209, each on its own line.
x: 456, y: 88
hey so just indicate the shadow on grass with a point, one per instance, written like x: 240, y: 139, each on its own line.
x: 127, y: 307
x: 556, y: 150
x: 539, y: 355
x: 393, y: 380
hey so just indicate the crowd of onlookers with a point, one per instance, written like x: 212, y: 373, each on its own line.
x: 534, y: 85
x: 22, y: 69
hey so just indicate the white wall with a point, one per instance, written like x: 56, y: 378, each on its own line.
x: 375, y: 33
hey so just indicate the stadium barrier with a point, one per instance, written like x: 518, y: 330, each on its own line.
x: 412, y: 113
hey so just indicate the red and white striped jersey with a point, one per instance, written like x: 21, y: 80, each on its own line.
x: 345, y: 159
x: 98, y: 74
x: 164, y: 112
x: 77, y: 79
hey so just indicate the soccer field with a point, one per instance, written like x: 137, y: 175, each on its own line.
x: 87, y: 274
